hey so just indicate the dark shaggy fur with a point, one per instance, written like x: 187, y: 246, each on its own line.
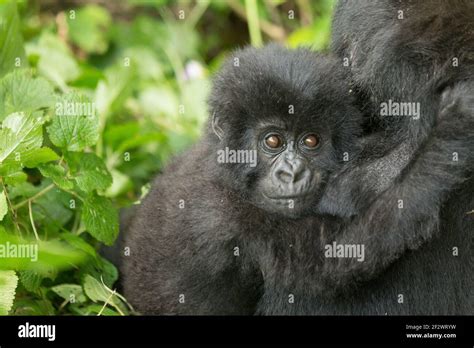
x: 409, y: 250
x: 191, y: 250
x: 409, y: 59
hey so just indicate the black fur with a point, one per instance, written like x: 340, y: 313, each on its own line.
x: 410, y: 59
x: 191, y: 250
x: 409, y: 250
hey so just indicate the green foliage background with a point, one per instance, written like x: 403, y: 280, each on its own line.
x: 143, y: 67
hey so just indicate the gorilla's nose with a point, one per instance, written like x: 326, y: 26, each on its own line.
x: 291, y: 172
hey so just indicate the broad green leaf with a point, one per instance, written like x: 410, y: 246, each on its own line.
x: 75, y: 125
x: 100, y: 219
x: 3, y: 205
x: 38, y: 156
x: 21, y: 134
x: 12, y: 54
x: 90, y: 171
x: 88, y: 28
x: 53, y: 209
x: 31, y: 280
x: 15, y: 178
x: 71, y: 292
x: 20, y: 92
x: 8, y: 283
x: 57, y: 173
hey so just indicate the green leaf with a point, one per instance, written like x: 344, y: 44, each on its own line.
x: 53, y: 209
x: 98, y: 293
x: 100, y: 219
x: 113, y: 90
x: 39, y: 156
x: 71, y: 292
x: 20, y: 135
x: 55, y: 60
x: 28, y: 306
x: 75, y: 125
x: 316, y: 36
x: 109, y: 272
x: 31, y: 280
x: 44, y: 258
x: 102, y: 269
x: 78, y: 243
x: 8, y: 283
x: 56, y: 173
x: 24, y: 189
x: 3, y: 205
x: 146, y: 61
x: 90, y: 171
x: 96, y: 309
x: 121, y: 183
x: 88, y: 28
x: 11, y: 41
x: 15, y: 178
x: 19, y: 91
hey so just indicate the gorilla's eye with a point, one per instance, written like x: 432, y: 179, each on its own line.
x: 310, y: 141
x: 273, y: 141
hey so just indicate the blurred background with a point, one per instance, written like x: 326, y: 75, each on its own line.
x: 146, y: 68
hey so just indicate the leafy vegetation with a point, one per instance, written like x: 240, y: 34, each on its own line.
x: 93, y: 101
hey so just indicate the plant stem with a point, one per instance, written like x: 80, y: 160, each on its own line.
x: 39, y: 194
x: 12, y: 208
x: 32, y: 220
x: 197, y: 12
x: 251, y: 10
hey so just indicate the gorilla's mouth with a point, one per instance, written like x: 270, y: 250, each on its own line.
x: 294, y: 196
x: 288, y: 204
x: 286, y: 199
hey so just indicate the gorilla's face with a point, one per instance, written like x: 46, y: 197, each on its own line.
x: 292, y: 112
x: 293, y: 166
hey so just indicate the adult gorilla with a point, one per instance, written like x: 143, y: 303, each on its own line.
x: 411, y: 193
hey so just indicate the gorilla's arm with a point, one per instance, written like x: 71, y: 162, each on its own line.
x: 407, y: 213
x: 396, y: 50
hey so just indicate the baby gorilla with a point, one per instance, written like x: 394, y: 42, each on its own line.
x: 234, y: 216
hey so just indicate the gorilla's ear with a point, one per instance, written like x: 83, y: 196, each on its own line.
x: 215, y: 126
